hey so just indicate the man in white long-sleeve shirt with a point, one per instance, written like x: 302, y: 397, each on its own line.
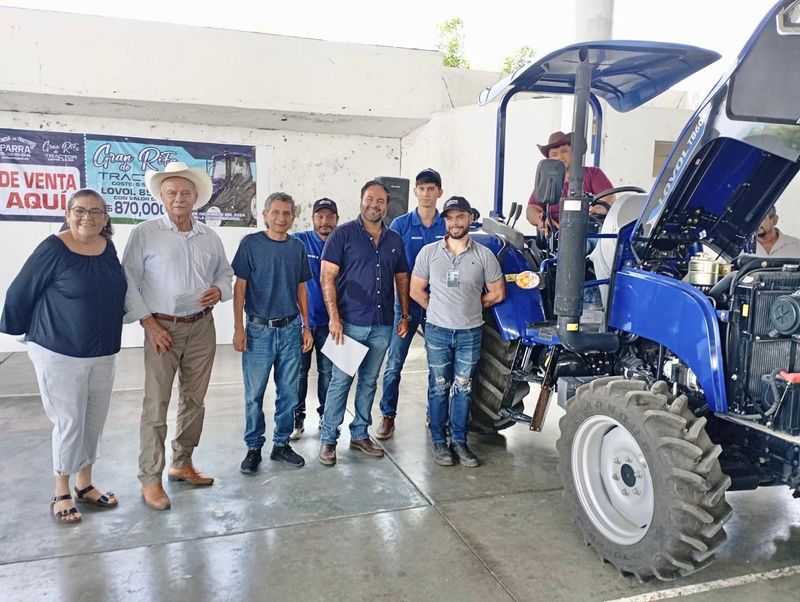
x: 177, y: 271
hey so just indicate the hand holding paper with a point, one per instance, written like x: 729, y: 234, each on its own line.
x: 348, y: 356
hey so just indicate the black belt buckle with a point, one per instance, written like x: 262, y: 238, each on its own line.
x: 276, y: 323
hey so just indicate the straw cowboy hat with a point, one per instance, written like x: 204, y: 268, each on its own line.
x: 556, y: 139
x: 179, y: 169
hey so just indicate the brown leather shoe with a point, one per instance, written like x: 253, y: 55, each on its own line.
x: 327, y: 454
x: 190, y: 475
x: 367, y: 446
x: 155, y: 496
x: 385, y: 428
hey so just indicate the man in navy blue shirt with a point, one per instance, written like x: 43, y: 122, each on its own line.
x: 363, y: 261
x: 324, y: 217
x: 418, y: 228
x: 271, y: 269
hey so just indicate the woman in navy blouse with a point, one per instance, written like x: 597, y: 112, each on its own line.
x: 68, y: 301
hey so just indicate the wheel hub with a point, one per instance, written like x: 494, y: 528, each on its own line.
x: 612, y: 479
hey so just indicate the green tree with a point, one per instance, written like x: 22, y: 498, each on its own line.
x: 451, y: 43
x: 520, y: 58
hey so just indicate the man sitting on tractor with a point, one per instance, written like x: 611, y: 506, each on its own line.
x: 559, y: 146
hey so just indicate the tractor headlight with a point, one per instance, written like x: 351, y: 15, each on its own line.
x: 528, y: 280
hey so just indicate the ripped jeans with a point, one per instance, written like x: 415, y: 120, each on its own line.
x: 452, y: 358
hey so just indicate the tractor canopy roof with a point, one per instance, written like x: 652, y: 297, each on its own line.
x: 626, y: 73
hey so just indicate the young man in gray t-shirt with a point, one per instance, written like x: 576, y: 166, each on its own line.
x: 457, y: 270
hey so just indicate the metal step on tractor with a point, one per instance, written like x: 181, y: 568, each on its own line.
x: 688, y: 385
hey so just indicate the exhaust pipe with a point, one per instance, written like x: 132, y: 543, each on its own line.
x: 574, y: 212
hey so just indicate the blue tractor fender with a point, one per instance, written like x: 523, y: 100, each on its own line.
x: 676, y: 315
x: 521, y: 306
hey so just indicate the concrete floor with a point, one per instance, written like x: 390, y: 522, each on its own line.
x: 397, y: 528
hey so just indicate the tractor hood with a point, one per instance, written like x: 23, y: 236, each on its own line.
x: 626, y: 73
x: 735, y: 156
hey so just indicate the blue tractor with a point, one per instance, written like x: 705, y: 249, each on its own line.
x: 687, y: 385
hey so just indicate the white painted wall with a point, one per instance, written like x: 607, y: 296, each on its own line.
x: 102, y: 64
x: 306, y: 165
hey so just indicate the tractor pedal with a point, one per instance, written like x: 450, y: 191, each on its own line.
x: 510, y: 414
x: 524, y: 376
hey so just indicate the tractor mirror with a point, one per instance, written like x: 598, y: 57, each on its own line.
x: 550, y: 174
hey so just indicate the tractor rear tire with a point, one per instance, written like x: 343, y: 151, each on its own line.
x: 491, y: 379
x: 642, y: 478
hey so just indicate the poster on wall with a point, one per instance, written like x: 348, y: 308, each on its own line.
x: 115, y: 166
x: 39, y: 171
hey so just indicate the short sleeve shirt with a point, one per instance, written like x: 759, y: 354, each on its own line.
x: 456, y: 283
x: 317, y: 313
x: 594, y: 182
x: 273, y: 271
x: 365, y: 285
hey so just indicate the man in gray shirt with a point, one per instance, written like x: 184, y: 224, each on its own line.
x: 457, y: 269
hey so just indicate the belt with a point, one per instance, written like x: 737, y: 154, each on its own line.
x: 183, y: 319
x: 276, y: 323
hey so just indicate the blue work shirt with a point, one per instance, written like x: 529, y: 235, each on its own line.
x: 365, y: 285
x: 416, y: 235
x: 273, y: 270
x: 317, y: 313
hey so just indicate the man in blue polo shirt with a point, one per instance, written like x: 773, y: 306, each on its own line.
x: 362, y: 262
x: 418, y: 228
x: 324, y: 217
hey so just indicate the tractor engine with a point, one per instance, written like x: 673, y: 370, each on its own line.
x: 762, y: 342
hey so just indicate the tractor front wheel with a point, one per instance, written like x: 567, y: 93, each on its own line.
x: 642, y: 478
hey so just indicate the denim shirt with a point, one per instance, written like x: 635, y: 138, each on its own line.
x: 365, y: 285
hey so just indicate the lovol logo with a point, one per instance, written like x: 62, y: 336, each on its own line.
x: 16, y: 147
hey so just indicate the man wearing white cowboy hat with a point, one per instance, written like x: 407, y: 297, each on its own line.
x: 177, y: 271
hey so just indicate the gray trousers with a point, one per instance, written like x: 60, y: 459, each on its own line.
x: 76, y: 392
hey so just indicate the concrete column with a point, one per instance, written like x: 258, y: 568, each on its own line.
x: 594, y: 20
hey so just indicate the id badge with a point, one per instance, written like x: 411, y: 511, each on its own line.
x: 452, y: 278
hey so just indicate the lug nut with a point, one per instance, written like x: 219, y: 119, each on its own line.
x: 628, y: 459
x: 636, y: 491
x: 638, y: 474
x: 617, y: 461
x: 625, y: 492
x: 615, y: 476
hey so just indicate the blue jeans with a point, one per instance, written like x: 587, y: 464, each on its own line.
x: 266, y: 347
x: 452, y: 358
x: 376, y: 338
x: 324, y: 366
x: 398, y: 351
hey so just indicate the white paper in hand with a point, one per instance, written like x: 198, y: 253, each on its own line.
x: 348, y: 356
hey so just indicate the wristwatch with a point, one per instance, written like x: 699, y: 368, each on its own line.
x: 405, y: 317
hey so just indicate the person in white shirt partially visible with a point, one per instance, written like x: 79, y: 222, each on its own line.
x: 771, y: 242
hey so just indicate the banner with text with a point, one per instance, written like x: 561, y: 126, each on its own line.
x: 39, y: 171
x: 115, y: 166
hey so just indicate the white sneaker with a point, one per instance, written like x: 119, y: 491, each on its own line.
x: 297, y: 432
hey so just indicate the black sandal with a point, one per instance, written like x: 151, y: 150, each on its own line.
x: 62, y: 516
x: 104, y: 501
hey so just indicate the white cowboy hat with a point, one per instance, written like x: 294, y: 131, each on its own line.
x: 179, y: 169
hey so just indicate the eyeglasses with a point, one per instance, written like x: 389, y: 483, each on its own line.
x: 80, y: 212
